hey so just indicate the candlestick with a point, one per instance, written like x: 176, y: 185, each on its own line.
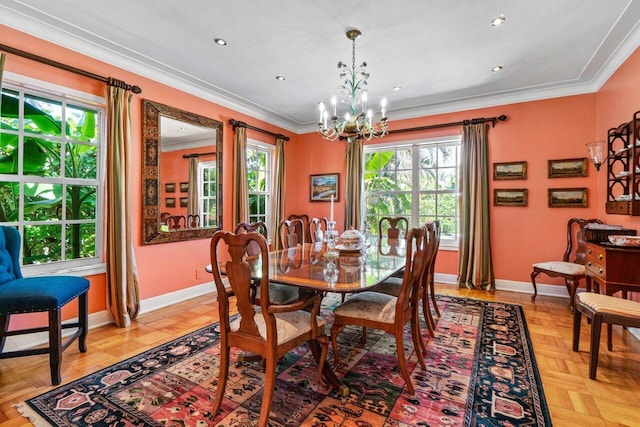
x: 331, y: 215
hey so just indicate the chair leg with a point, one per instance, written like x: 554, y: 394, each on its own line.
x: 534, y: 274
x: 4, y: 324
x: 223, y: 374
x: 335, y: 330
x: 269, y: 385
x: 403, y: 362
x: 432, y: 291
x: 55, y: 345
x: 577, y: 318
x: 418, y: 342
x: 609, y: 337
x: 594, y: 347
x: 324, y: 348
x: 83, y: 320
x: 572, y: 287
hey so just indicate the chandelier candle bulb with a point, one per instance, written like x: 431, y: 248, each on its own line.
x: 334, y: 102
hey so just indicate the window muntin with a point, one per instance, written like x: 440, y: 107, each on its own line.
x: 50, y: 178
x: 259, y: 182
x: 207, y: 194
x: 397, y: 175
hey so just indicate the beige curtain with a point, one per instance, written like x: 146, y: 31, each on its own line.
x: 353, y: 184
x: 277, y: 201
x: 474, y: 259
x: 192, y: 205
x: 240, y: 186
x: 123, y: 300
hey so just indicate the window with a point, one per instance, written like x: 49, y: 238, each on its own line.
x: 259, y: 182
x: 417, y: 180
x: 51, y: 178
x: 207, y: 194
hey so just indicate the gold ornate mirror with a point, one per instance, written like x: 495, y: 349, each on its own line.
x: 181, y: 175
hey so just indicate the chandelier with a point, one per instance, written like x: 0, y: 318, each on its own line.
x: 357, y: 121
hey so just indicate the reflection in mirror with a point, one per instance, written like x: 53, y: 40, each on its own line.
x: 182, y: 175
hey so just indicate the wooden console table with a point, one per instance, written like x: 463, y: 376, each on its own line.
x: 613, y: 268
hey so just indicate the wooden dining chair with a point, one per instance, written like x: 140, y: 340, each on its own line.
x: 267, y: 330
x: 279, y: 293
x: 304, y: 233
x: 571, y: 271
x: 390, y: 313
x: 317, y: 228
x: 291, y: 233
x: 393, y: 227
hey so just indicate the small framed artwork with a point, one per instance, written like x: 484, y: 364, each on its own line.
x: 567, y: 197
x: 170, y: 202
x: 184, y: 187
x: 170, y: 187
x: 567, y: 168
x: 510, y: 197
x: 509, y: 170
x: 184, y: 202
x: 324, y: 187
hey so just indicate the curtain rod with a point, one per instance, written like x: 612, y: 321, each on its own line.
x: 236, y: 123
x: 493, y: 121
x: 42, y: 60
x: 188, y: 156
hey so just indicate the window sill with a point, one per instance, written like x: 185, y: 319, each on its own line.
x: 80, y: 271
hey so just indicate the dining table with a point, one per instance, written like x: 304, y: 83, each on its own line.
x: 316, y: 268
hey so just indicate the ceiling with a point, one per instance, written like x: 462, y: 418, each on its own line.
x: 440, y: 52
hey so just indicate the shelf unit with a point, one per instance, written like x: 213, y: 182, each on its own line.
x: 623, y: 168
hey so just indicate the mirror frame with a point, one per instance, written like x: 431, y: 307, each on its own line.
x: 151, y: 207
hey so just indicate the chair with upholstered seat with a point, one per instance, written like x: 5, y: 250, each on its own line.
x: 291, y: 233
x: 267, y: 330
x: 390, y: 313
x: 571, y: 271
x: 39, y: 294
x: 602, y: 309
x: 303, y: 234
x: 279, y: 293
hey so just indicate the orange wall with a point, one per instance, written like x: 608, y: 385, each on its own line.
x: 535, y: 132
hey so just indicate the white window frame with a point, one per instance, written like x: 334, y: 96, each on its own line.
x: 201, y: 185
x: 415, y: 145
x: 268, y: 193
x: 83, y: 266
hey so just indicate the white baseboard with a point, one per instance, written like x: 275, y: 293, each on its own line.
x: 155, y: 303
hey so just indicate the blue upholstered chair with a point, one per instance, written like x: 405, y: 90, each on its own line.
x: 39, y: 294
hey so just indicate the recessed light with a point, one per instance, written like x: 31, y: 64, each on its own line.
x: 498, y: 20
x: 281, y: 78
x: 220, y: 42
x: 497, y: 68
x: 397, y: 88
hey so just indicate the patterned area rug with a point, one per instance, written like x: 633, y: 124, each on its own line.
x: 481, y: 371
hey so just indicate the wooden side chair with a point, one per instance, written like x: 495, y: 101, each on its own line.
x: 602, y: 309
x: 291, y: 233
x: 304, y: 233
x: 267, y: 330
x: 39, y: 294
x: 571, y: 271
x: 279, y: 293
x: 390, y: 313
x: 393, y: 228
x: 317, y: 228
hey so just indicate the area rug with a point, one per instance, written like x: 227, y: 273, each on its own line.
x: 481, y: 371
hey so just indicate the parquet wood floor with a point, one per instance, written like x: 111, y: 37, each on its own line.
x: 574, y: 400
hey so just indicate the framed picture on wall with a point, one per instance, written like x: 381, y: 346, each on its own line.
x: 184, y: 202
x: 184, y: 187
x: 170, y: 187
x: 170, y: 202
x: 567, y: 197
x: 323, y: 187
x: 567, y: 168
x: 510, y: 197
x: 509, y: 170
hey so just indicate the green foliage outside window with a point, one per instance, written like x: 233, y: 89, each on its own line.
x: 54, y: 179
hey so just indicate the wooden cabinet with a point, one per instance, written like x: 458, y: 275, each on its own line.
x: 614, y: 268
x: 623, y: 168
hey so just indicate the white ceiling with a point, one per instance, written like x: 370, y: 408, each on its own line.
x: 440, y: 52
